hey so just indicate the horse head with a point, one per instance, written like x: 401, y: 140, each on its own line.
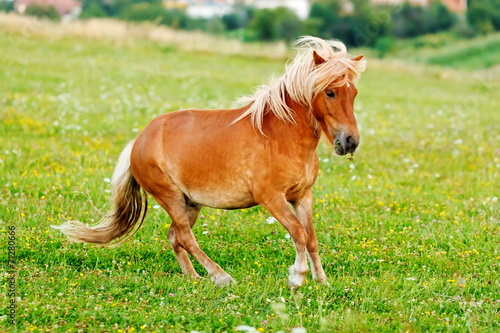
x: 333, y: 109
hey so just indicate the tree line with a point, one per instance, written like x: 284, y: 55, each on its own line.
x: 358, y: 24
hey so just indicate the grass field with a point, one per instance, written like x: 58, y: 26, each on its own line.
x: 409, y: 231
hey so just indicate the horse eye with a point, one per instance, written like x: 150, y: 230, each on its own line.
x: 330, y: 94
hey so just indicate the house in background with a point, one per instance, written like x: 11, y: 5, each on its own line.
x: 299, y: 7
x: 212, y: 8
x: 457, y: 6
x: 69, y: 10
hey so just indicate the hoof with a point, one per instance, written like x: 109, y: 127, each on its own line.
x: 296, y: 279
x: 294, y: 282
x: 223, y: 280
x: 322, y: 280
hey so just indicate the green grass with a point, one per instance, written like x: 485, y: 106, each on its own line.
x: 409, y: 231
x: 449, y: 50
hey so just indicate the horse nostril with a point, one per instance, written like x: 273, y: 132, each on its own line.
x: 350, y: 143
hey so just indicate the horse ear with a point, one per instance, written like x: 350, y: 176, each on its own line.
x: 358, y: 58
x: 318, y: 60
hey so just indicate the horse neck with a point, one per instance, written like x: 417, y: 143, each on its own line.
x: 305, y: 129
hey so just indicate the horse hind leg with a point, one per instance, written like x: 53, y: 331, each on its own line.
x: 181, y: 254
x: 182, y: 239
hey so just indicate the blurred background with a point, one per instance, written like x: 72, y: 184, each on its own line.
x: 456, y: 33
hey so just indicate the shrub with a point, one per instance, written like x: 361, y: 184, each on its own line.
x: 383, y: 45
x: 143, y: 12
x: 47, y: 12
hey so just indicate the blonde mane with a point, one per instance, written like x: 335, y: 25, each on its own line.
x: 303, y: 79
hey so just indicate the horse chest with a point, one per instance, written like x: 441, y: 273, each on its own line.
x: 304, y: 177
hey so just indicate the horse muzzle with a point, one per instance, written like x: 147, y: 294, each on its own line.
x: 345, y: 145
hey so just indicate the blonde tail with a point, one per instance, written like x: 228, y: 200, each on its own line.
x: 128, y: 213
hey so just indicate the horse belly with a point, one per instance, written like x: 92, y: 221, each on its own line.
x: 222, y: 197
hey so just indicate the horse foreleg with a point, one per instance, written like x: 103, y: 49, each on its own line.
x: 279, y: 208
x: 303, y: 210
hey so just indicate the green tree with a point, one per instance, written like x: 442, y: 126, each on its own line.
x: 409, y: 21
x: 484, y: 15
x: 324, y: 15
x: 47, y: 12
x: 288, y: 25
x: 6, y: 6
x: 238, y: 18
x: 262, y: 24
x: 438, y: 17
x: 273, y: 24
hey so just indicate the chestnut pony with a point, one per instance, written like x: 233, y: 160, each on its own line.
x: 261, y: 154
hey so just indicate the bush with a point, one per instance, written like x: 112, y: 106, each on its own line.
x: 92, y: 9
x: 383, y: 45
x: 463, y: 30
x: 47, y: 12
x: 176, y: 19
x: 233, y: 21
x: 143, y: 12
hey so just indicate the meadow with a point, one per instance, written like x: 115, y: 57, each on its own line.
x: 409, y: 230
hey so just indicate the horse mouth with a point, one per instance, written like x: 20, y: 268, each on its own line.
x: 339, y: 150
